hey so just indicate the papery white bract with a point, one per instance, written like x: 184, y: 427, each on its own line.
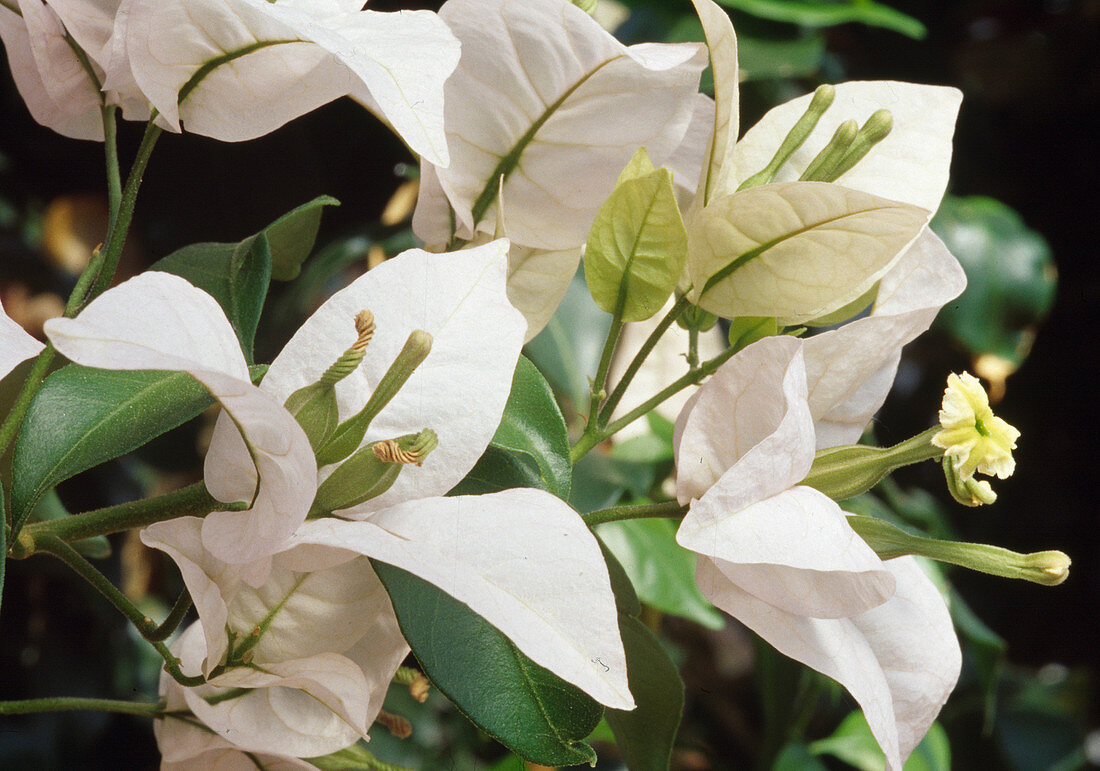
x: 497, y: 552
x: 292, y: 709
x: 546, y: 98
x: 160, y: 321
x: 58, y: 91
x: 238, y: 69
x: 781, y: 557
x: 16, y: 345
x: 846, y: 234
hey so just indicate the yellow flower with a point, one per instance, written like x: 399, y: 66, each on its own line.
x: 973, y: 437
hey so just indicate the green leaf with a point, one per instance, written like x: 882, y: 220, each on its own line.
x: 292, y: 237
x: 530, y: 710
x: 637, y: 245
x: 498, y: 469
x: 662, y: 571
x: 600, y: 480
x: 796, y: 756
x: 568, y: 350
x: 854, y: 743
x: 762, y: 58
x: 82, y: 417
x: 1011, y: 278
x: 826, y: 13
x: 532, y: 424
x: 236, y: 275
x: 646, y: 734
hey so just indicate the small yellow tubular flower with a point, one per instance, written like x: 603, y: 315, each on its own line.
x: 973, y: 437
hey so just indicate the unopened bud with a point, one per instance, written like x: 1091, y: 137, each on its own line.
x: 1049, y: 568
x: 874, y: 130
x: 969, y: 491
x: 349, y: 434
x: 821, y: 167
x: 371, y: 471
x: 822, y: 99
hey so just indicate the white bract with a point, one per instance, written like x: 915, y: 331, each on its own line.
x: 229, y: 69
x: 497, y: 553
x: 801, y: 250
x: 781, y: 557
x: 292, y: 709
x: 159, y: 321
x: 16, y: 345
x: 547, y: 99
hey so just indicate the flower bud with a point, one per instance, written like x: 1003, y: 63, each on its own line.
x: 314, y: 405
x: 1049, y: 568
x: 968, y: 492
x: 822, y: 99
x: 345, y: 440
x: 874, y: 130
x: 821, y: 167
x: 371, y: 471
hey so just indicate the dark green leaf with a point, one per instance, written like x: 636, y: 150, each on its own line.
x: 236, y: 275
x: 797, y: 757
x: 82, y: 417
x: 292, y: 236
x: 646, y: 734
x: 662, y: 571
x: 761, y: 58
x: 1011, y: 278
x: 532, y: 424
x: 499, y: 469
x: 599, y: 480
x: 527, y: 708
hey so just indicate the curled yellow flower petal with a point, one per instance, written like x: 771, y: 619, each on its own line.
x: 973, y: 437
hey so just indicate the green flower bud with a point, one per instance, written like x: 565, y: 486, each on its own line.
x: 822, y: 166
x: 1049, y: 568
x: 822, y: 99
x: 967, y: 491
x: 345, y: 440
x: 371, y: 471
x: 696, y: 318
x: 874, y: 130
x: 314, y: 405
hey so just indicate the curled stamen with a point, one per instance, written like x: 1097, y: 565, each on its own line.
x: 405, y: 451
x: 388, y: 450
x: 364, y: 325
x: 397, y: 725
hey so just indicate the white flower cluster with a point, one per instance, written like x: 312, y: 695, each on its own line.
x: 523, y: 137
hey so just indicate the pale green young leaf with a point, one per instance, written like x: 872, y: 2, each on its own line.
x: 795, y: 251
x: 637, y: 245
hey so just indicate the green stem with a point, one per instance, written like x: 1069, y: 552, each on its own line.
x: 120, y: 226
x: 636, y: 363
x: 667, y: 509
x: 55, y: 547
x: 693, y: 348
x: 174, y: 619
x: 588, y: 441
x: 77, y: 703
x: 110, y: 149
x: 192, y: 500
